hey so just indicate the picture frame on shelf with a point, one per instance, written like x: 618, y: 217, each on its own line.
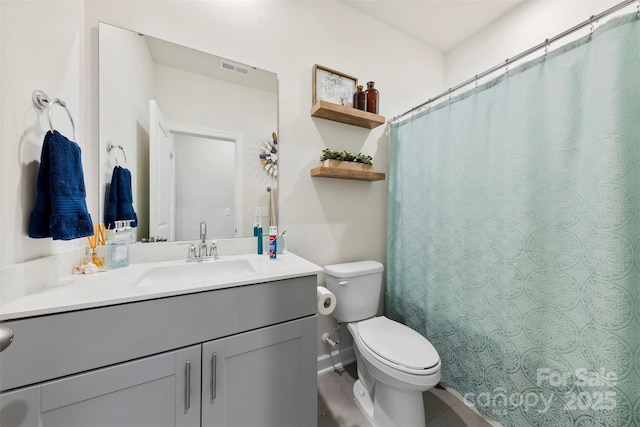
x: 333, y: 86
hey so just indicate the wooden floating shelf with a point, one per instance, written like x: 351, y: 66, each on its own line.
x: 348, y: 115
x: 328, y: 172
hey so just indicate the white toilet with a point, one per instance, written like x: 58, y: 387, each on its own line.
x: 395, y: 363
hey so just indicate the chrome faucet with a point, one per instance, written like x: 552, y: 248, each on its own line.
x: 202, y: 252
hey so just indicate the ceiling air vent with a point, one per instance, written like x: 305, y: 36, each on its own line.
x: 236, y: 68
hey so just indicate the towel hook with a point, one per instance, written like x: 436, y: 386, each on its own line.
x: 43, y: 102
x: 111, y: 146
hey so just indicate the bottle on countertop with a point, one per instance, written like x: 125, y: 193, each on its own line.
x: 129, y: 232
x: 273, y: 241
x: 259, y: 237
x: 118, y: 246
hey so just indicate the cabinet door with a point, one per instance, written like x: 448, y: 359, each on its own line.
x: 147, y: 392
x: 265, y: 377
x: 20, y: 408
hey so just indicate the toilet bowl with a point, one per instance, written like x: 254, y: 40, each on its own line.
x: 395, y: 363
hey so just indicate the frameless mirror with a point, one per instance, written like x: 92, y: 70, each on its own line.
x: 190, y: 127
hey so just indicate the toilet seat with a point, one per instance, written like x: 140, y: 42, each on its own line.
x: 398, y: 346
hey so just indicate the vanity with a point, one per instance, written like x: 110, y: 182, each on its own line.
x: 230, y: 344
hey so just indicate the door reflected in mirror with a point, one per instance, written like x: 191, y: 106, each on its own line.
x: 192, y: 126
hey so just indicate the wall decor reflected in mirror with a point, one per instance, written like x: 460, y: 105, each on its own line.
x: 191, y: 125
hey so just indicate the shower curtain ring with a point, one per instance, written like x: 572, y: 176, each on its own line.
x: 476, y: 81
x: 591, y: 23
x: 546, y: 46
x: 506, y: 66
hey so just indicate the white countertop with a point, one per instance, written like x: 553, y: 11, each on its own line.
x: 118, y: 286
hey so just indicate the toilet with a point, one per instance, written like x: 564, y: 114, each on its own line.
x: 395, y: 363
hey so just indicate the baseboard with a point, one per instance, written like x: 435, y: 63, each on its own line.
x: 461, y: 398
x: 335, y: 360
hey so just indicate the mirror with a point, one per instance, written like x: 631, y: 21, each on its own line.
x: 190, y: 127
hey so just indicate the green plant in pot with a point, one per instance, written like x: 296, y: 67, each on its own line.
x: 345, y: 160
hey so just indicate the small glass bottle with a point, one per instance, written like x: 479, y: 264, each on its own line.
x: 118, y: 247
x: 372, y: 98
x: 360, y: 99
x: 128, y: 231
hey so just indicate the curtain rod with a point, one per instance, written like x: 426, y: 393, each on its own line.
x: 544, y: 44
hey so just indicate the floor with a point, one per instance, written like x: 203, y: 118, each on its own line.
x: 337, y: 408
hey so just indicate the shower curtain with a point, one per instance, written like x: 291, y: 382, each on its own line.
x: 514, y: 235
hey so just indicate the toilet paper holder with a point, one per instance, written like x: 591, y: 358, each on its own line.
x: 326, y: 300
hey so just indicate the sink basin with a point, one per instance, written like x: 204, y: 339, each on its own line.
x: 197, y: 273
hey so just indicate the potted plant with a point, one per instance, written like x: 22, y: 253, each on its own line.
x: 345, y: 160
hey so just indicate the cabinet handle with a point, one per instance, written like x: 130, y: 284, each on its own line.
x: 6, y: 337
x: 187, y: 386
x: 214, y: 362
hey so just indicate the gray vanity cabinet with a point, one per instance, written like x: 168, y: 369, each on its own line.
x: 161, y: 390
x: 127, y: 365
x: 261, y: 378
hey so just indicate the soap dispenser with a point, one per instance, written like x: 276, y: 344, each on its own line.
x: 118, y: 246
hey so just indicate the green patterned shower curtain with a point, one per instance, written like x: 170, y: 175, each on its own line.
x: 514, y: 235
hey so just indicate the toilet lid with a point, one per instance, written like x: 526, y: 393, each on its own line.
x: 397, y: 343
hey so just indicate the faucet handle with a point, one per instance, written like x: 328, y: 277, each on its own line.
x: 214, y: 250
x: 192, y: 252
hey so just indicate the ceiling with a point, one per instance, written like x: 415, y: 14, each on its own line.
x: 442, y: 24
x: 206, y: 64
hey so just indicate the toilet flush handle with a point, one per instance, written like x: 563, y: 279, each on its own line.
x: 343, y: 283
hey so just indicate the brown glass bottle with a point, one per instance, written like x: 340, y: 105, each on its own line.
x: 360, y: 99
x: 373, y: 96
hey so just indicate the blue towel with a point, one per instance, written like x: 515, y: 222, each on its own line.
x: 61, y: 208
x: 120, y: 201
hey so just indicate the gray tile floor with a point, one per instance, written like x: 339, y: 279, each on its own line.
x: 337, y: 408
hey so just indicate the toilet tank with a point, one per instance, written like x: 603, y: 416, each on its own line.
x: 357, y: 287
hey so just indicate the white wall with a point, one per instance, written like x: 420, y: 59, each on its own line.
x: 42, y: 47
x: 327, y: 221
x: 523, y: 27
